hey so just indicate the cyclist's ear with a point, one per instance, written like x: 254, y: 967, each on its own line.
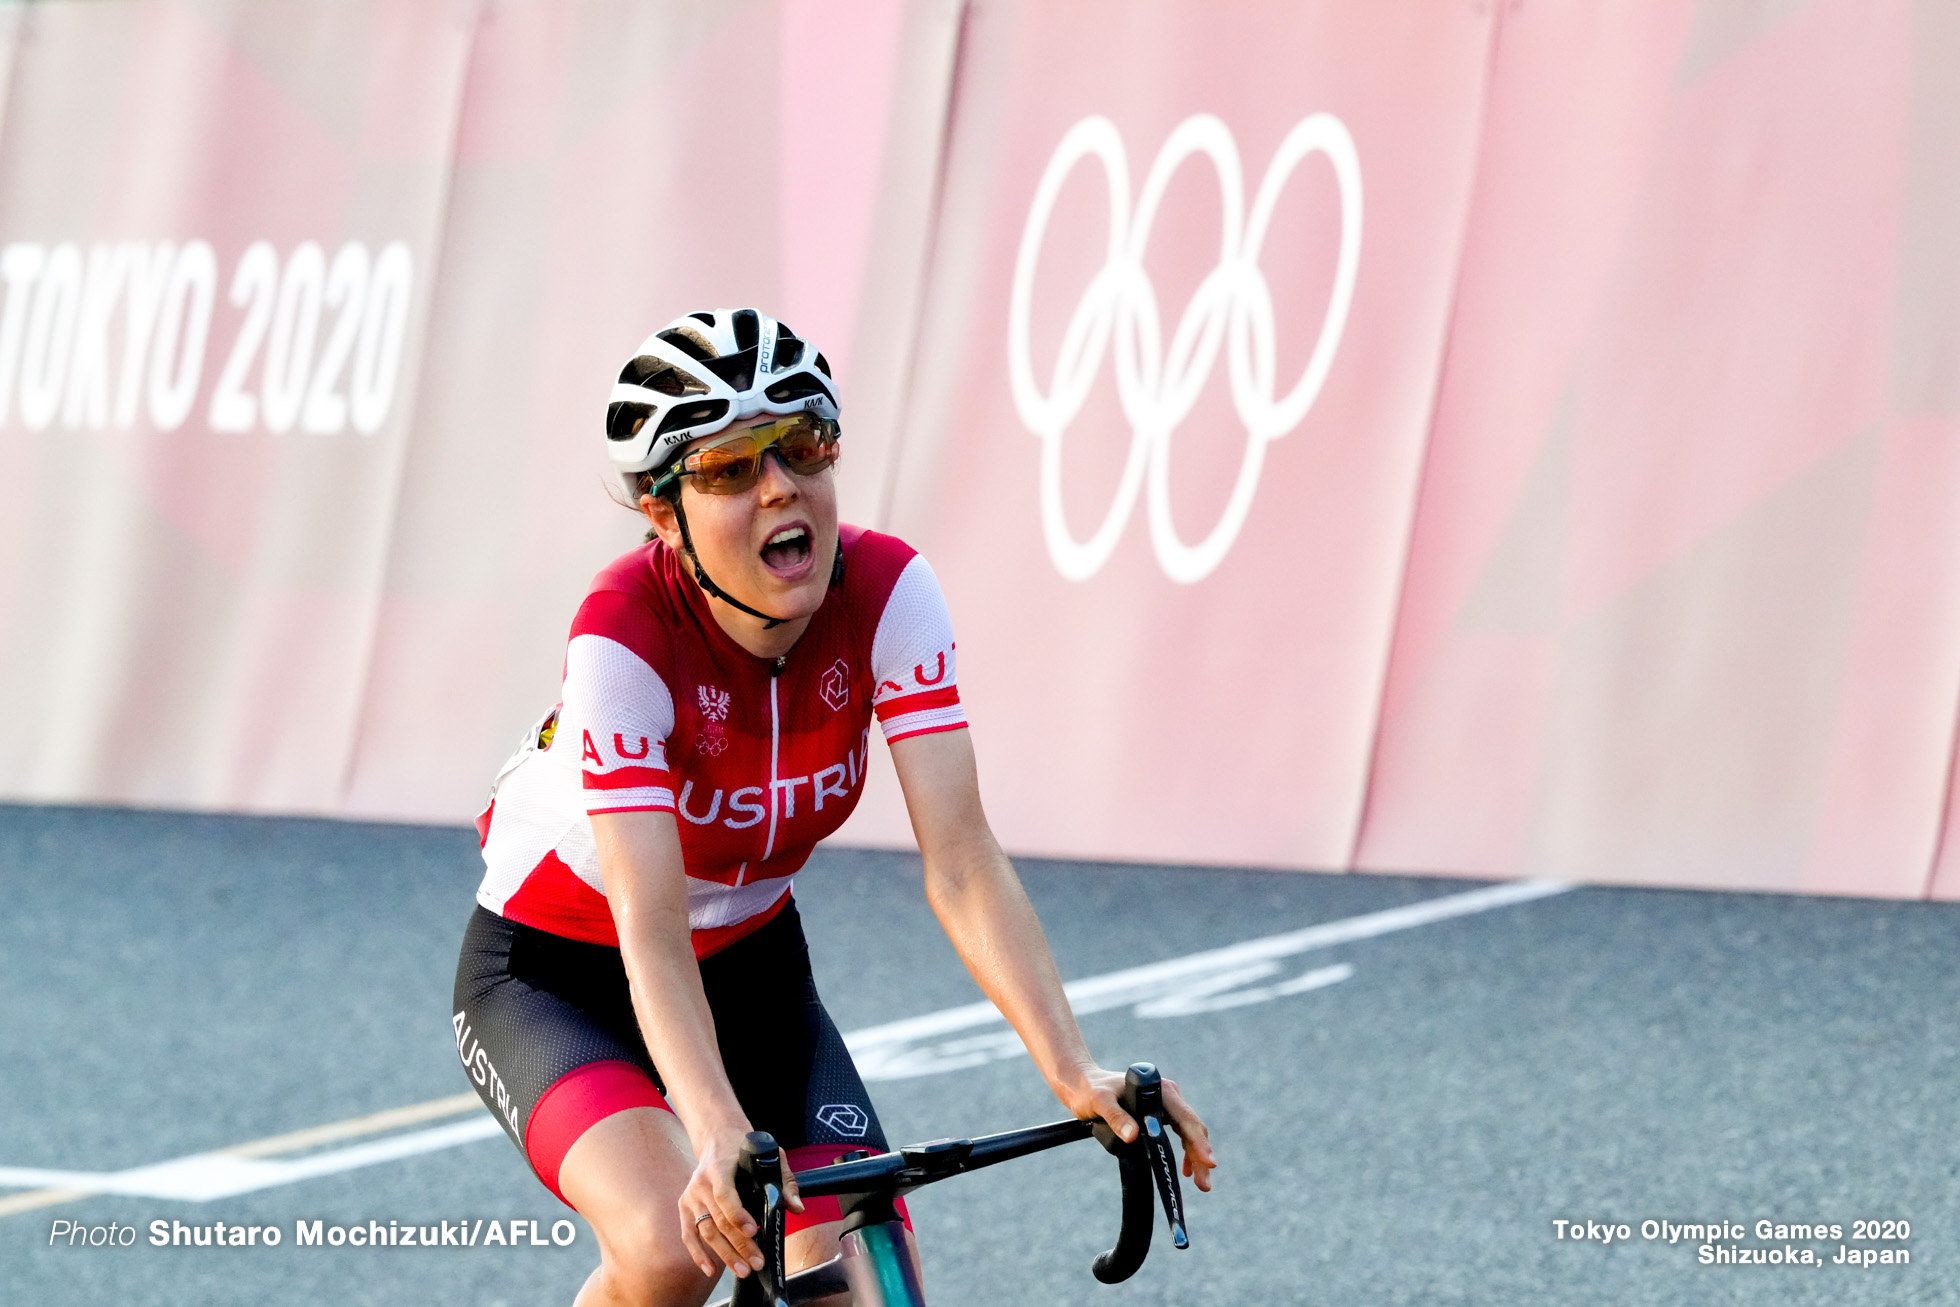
x: 663, y: 522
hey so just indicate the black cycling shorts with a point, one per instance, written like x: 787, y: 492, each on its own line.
x: 546, y: 1031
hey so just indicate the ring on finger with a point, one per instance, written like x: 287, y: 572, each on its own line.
x: 705, y: 1216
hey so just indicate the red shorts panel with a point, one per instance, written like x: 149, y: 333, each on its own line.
x: 577, y: 1101
x: 818, y: 1211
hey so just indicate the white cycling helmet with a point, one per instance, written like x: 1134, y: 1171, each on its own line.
x: 702, y: 372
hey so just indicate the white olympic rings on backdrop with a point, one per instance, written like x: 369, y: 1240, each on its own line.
x: 1158, y: 387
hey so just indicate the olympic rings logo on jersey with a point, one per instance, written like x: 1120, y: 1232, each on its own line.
x: 1232, y: 306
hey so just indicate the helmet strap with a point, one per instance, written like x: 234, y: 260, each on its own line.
x: 707, y: 582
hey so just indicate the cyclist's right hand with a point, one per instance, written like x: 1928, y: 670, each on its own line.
x: 728, y: 1236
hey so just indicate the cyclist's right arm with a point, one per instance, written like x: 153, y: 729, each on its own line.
x: 646, y: 888
x: 614, y: 692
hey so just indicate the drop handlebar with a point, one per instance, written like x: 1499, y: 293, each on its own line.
x: 866, y: 1187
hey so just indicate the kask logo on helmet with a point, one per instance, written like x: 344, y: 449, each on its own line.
x: 1157, y: 385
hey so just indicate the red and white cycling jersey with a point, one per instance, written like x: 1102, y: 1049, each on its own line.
x: 761, y: 758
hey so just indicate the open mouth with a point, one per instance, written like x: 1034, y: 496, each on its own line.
x: 787, y: 550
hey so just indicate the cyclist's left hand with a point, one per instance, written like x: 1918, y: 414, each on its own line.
x: 1098, y: 1095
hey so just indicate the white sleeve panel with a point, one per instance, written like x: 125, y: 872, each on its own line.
x: 538, y: 811
x: 913, y: 658
x: 623, y: 713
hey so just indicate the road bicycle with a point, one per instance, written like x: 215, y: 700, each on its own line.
x: 873, y: 1264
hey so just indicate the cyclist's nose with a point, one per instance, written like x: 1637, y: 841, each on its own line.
x: 778, y: 484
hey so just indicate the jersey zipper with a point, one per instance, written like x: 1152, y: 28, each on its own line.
x: 775, y: 732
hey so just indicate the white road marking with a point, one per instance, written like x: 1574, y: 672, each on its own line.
x: 373, y: 1124
x: 203, y: 1176
x: 900, y: 1050
x: 1211, y: 981
x: 1223, y: 992
x: 221, y: 1172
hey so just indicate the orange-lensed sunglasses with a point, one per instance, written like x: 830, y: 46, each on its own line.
x: 805, y: 444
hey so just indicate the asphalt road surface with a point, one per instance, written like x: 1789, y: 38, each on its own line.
x: 1405, y: 1104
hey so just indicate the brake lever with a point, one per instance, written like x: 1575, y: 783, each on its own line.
x: 1163, y: 1164
x: 759, y: 1184
x: 1145, y: 1163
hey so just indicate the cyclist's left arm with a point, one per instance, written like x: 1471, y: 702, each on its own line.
x: 979, y: 900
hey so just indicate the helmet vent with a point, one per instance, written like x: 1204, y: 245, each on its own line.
x: 661, y: 376
x: 800, y: 386
x: 708, y: 318
x: 691, y: 415
x: 689, y: 342
x: 747, y: 331
x: 737, y: 369
x: 823, y: 365
x: 625, y: 418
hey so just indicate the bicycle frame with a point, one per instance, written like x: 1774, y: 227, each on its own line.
x: 874, y: 1264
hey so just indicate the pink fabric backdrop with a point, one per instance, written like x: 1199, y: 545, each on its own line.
x: 1610, y: 535
x: 1128, y: 713
x: 189, y: 611
x: 1682, y: 602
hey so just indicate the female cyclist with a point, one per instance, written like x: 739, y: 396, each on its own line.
x: 634, y: 991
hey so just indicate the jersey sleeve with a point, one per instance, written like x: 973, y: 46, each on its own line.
x: 620, y: 707
x: 913, y: 658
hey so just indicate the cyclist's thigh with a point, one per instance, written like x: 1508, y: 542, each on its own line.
x: 625, y: 1175
x: 545, y: 1029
